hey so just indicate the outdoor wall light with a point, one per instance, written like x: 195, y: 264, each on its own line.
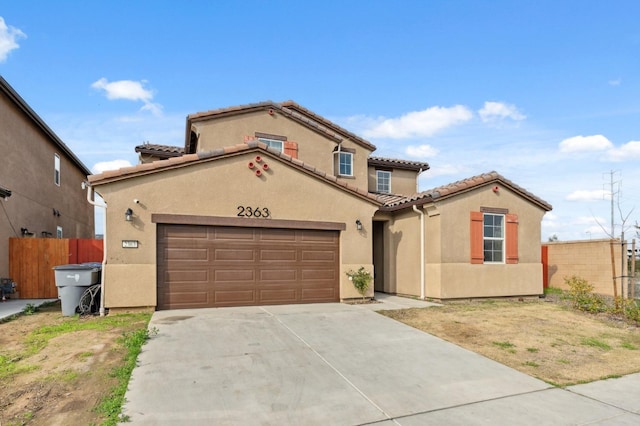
x: 128, y: 215
x: 358, y: 225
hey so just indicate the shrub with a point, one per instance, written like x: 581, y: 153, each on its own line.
x: 582, y: 296
x: 361, y: 280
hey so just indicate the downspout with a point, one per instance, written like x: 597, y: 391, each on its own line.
x: 422, y: 273
x: 104, y: 243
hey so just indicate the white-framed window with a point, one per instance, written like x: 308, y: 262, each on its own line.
x: 345, y: 163
x: 56, y: 169
x: 383, y: 179
x: 59, y: 232
x: 272, y: 143
x: 493, y: 237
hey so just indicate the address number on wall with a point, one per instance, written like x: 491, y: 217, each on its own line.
x: 262, y: 212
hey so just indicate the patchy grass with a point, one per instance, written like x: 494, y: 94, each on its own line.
x: 560, y: 345
x: 59, y: 370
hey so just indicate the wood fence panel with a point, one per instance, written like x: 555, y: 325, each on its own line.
x: 31, y: 262
x: 545, y: 267
x: 85, y: 250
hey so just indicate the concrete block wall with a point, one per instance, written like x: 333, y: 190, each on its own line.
x: 589, y: 259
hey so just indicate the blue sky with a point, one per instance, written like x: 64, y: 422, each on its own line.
x: 547, y: 93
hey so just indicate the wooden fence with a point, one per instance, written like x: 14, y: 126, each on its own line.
x: 31, y: 262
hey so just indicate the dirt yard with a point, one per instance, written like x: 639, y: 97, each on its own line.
x: 543, y: 339
x: 55, y: 370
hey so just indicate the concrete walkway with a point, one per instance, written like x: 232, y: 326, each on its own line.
x: 343, y: 364
x: 14, y: 306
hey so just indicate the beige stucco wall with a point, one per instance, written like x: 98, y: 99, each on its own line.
x: 217, y: 188
x: 590, y: 260
x: 448, y: 271
x: 313, y: 147
x: 403, y: 182
x: 27, y: 169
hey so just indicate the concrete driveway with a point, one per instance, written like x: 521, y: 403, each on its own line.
x: 339, y: 364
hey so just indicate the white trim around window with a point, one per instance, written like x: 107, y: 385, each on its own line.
x: 383, y: 181
x: 273, y: 143
x: 59, y: 232
x: 345, y: 163
x: 56, y: 169
x: 493, y: 237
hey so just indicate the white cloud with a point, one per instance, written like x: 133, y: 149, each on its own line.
x: 129, y: 90
x: 419, y: 123
x: 628, y: 151
x: 585, y: 143
x: 9, y: 37
x: 421, y: 151
x: 615, y: 82
x: 492, y: 112
x: 584, y: 195
x: 110, y: 165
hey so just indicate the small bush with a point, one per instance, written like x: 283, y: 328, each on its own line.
x: 582, y: 296
x: 361, y: 280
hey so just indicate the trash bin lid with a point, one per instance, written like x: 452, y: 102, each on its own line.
x: 75, y: 267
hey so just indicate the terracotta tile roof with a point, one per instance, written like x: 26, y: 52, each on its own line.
x: 163, y: 151
x: 459, y: 187
x: 290, y: 109
x: 189, y: 159
x: 316, y: 117
x: 398, y: 164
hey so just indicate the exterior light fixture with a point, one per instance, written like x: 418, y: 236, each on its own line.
x: 128, y: 215
x: 358, y: 225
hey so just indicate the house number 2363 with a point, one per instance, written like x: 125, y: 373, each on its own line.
x: 253, y: 212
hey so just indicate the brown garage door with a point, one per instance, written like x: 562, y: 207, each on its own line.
x: 214, y: 266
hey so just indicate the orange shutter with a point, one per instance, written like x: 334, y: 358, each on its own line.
x: 291, y: 149
x: 512, y: 238
x: 477, y: 246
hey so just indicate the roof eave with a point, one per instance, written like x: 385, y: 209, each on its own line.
x: 21, y: 103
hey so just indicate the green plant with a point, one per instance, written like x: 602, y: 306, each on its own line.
x: 629, y: 345
x: 596, y: 343
x: 553, y: 290
x: 111, y: 406
x: 533, y: 350
x: 581, y: 293
x: 504, y: 345
x: 532, y: 364
x: 361, y: 280
x: 30, y: 309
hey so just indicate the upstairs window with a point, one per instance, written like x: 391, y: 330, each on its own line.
x: 383, y: 179
x: 59, y: 232
x: 272, y: 141
x: 279, y: 145
x: 345, y: 163
x: 56, y: 169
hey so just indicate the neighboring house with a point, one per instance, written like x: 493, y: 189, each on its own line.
x: 271, y: 203
x: 40, y: 179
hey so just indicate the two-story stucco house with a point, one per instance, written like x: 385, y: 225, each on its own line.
x: 270, y: 203
x: 40, y: 179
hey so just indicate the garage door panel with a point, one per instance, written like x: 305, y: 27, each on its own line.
x: 234, y: 275
x: 279, y: 296
x: 318, y: 274
x: 191, y: 275
x: 186, y: 254
x: 319, y: 256
x: 278, y: 255
x: 233, y: 234
x: 278, y: 275
x: 235, y: 297
x: 277, y: 235
x: 246, y: 266
x: 234, y: 255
